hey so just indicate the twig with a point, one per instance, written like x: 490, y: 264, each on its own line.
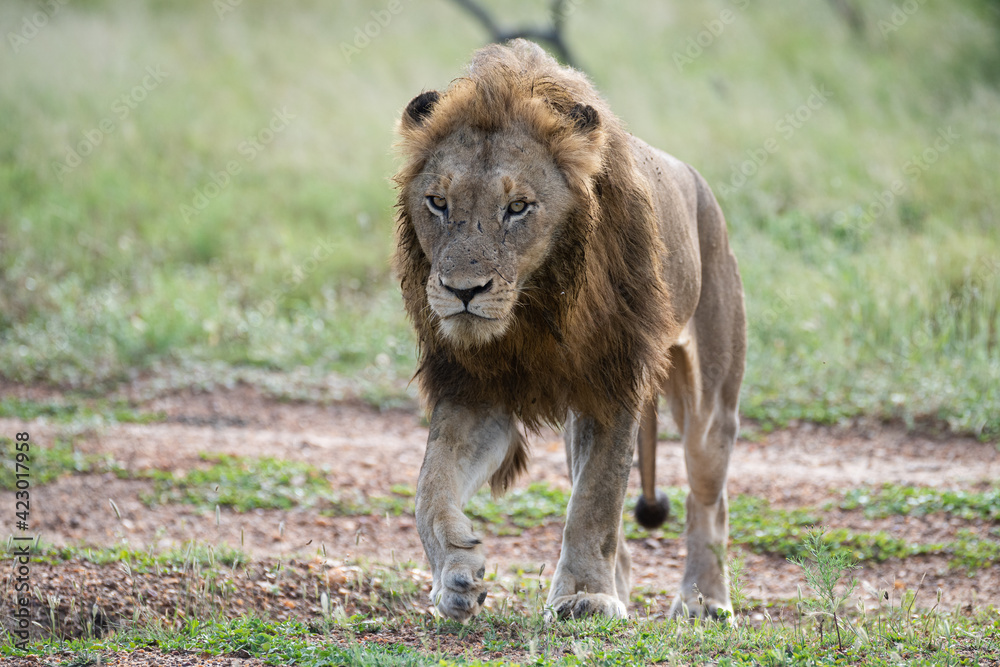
x: 552, y: 35
x: 854, y: 18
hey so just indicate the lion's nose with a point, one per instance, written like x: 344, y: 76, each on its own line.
x: 467, y: 294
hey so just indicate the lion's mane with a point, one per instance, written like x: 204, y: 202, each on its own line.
x: 593, y: 326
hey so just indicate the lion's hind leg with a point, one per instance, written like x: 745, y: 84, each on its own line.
x: 704, y: 394
x: 709, y: 429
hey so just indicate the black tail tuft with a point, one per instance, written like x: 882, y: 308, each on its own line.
x: 652, y: 515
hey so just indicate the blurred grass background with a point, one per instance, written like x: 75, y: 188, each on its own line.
x: 142, y: 258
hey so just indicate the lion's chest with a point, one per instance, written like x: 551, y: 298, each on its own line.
x: 536, y: 380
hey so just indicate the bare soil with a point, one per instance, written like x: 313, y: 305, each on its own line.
x: 297, y: 554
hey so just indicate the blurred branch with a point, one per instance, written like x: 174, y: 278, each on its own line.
x: 847, y: 11
x: 553, y: 35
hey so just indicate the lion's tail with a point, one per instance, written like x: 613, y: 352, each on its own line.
x: 652, y: 508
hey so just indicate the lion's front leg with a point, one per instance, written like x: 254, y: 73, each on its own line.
x: 465, y: 447
x: 593, y: 574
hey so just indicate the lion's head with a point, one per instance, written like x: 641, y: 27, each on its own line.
x: 488, y: 196
x: 526, y: 242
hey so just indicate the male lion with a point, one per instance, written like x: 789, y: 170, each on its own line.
x: 557, y: 269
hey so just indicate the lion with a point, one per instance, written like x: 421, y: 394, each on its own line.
x: 557, y: 270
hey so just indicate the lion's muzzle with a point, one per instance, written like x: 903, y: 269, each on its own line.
x: 471, y: 309
x: 467, y: 294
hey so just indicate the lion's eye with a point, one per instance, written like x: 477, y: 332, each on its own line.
x: 437, y: 203
x: 516, y: 207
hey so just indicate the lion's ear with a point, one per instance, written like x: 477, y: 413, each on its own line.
x: 420, y: 107
x: 579, y: 152
x: 585, y: 118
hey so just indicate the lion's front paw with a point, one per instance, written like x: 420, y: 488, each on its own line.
x: 698, y: 606
x: 460, y: 592
x: 581, y: 605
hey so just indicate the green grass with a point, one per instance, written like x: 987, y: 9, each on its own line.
x: 244, y: 484
x: 854, y: 308
x: 241, y: 483
x: 66, y: 411
x: 521, y: 508
x: 901, y: 500
x: 886, y: 638
x: 193, y: 554
x: 46, y: 464
x: 889, y: 631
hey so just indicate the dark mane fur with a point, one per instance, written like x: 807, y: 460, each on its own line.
x: 593, y: 326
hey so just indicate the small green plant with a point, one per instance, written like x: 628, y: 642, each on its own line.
x: 824, y: 567
x: 901, y: 500
x: 533, y: 506
x: 242, y: 483
x: 737, y: 592
x: 50, y: 463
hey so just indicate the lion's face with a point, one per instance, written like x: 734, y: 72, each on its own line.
x: 485, y: 209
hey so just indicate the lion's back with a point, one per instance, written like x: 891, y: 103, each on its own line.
x: 674, y: 187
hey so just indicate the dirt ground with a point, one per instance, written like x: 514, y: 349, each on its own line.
x: 370, y: 450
